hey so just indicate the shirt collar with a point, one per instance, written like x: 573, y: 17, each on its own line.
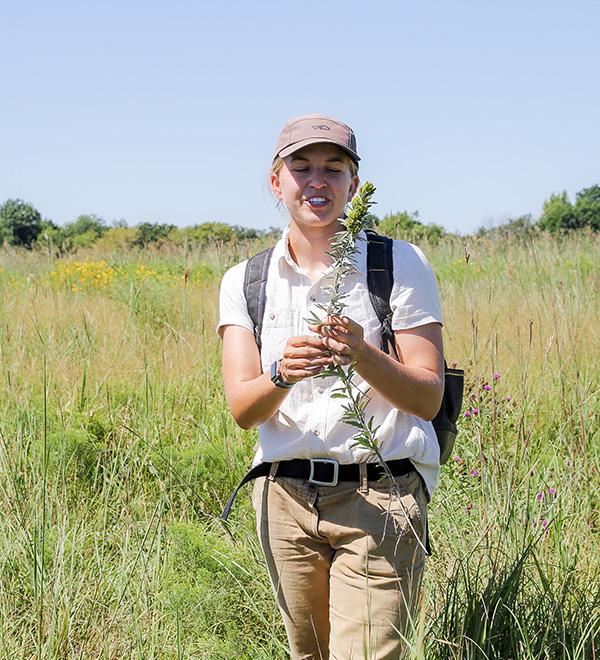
x: 282, y: 252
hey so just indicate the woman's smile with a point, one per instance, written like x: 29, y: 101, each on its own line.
x: 317, y: 202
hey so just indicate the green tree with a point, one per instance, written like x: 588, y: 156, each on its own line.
x: 85, y: 224
x: 587, y: 207
x: 84, y: 231
x: 211, y: 232
x: 519, y: 227
x: 151, y: 232
x: 217, y: 232
x: 558, y: 214
x: 20, y: 223
x: 407, y: 226
x: 51, y: 237
x: 246, y: 233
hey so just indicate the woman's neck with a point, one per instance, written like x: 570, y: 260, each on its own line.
x: 309, y: 246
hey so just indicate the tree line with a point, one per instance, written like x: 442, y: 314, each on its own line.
x: 22, y: 225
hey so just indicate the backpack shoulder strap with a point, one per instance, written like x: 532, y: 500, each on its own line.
x: 255, y: 286
x: 380, y: 279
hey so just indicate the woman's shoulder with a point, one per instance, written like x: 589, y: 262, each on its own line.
x: 234, y: 276
x: 408, y: 255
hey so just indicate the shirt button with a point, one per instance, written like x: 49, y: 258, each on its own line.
x: 272, y: 316
x: 313, y: 298
x: 316, y: 431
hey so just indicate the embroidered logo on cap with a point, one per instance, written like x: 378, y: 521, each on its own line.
x: 321, y: 127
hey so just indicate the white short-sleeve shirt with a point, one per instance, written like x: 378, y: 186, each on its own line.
x: 308, y: 423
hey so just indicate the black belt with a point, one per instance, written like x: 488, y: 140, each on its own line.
x: 321, y: 472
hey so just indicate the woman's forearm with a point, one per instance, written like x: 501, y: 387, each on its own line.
x: 253, y: 402
x: 415, y: 390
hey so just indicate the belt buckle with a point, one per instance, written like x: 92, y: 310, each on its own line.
x: 336, y: 469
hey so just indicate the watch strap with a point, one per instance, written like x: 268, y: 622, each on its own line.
x: 276, y: 378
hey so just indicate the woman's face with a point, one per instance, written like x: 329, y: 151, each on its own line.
x: 315, y: 183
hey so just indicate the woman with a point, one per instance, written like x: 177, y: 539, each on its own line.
x: 345, y: 577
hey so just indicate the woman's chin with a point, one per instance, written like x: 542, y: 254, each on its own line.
x: 322, y: 217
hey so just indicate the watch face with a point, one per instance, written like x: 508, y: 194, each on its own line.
x: 274, y: 371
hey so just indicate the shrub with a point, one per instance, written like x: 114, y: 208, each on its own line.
x: 20, y: 223
x: 559, y: 214
x: 407, y: 226
x: 151, y: 232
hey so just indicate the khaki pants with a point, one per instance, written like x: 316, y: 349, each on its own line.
x: 344, y: 564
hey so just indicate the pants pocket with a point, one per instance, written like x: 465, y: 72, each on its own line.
x: 405, y: 507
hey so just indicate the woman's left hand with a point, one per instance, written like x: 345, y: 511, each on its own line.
x: 343, y: 337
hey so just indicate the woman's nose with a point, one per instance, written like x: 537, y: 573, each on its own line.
x: 317, y: 179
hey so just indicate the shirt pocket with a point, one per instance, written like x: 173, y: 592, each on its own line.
x: 360, y: 309
x: 279, y: 324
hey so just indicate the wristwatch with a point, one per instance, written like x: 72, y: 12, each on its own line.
x: 276, y: 377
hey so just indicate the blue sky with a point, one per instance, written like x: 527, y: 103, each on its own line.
x: 469, y: 112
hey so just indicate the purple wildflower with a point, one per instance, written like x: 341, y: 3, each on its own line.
x: 487, y: 387
x: 474, y: 411
x: 457, y: 458
x: 467, y: 413
x: 496, y: 375
x: 545, y: 523
x: 474, y: 472
x: 552, y: 491
x: 540, y: 496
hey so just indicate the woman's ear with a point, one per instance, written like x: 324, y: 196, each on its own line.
x: 353, y: 187
x: 275, y: 186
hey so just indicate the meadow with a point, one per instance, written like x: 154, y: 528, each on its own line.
x: 117, y: 453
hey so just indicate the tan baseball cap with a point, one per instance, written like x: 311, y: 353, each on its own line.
x: 299, y: 132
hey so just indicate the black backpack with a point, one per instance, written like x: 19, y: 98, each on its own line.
x: 380, y: 275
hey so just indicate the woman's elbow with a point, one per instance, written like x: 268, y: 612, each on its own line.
x: 430, y: 406
x: 247, y: 416
x: 428, y: 414
x: 244, y: 419
x: 246, y: 424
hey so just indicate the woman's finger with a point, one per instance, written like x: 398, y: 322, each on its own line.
x: 345, y: 324
x: 338, y: 347
x: 306, y: 354
x: 306, y: 341
x: 342, y: 360
x: 303, y: 367
x: 324, y: 329
x: 309, y: 364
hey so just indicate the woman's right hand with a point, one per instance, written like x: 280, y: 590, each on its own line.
x: 304, y: 357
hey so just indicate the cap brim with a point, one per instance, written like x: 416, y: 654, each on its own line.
x: 288, y: 151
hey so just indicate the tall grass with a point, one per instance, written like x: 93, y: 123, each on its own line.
x: 117, y: 452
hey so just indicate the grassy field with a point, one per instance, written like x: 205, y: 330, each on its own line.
x: 117, y: 452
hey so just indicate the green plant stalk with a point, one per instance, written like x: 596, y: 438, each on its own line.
x: 342, y: 252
